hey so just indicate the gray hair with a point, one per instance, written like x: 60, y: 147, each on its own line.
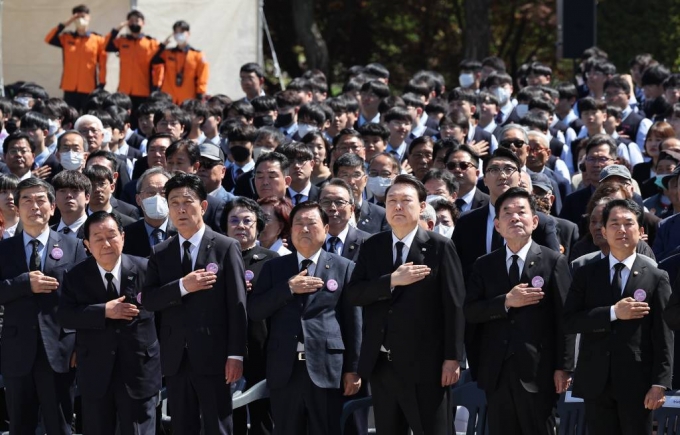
x: 428, y: 214
x: 149, y: 172
x: 518, y: 127
x: 88, y: 118
x: 541, y: 138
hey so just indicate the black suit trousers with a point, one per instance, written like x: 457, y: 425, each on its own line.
x: 194, y: 399
x: 399, y: 404
x: 301, y: 407
x: 607, y: 414
x: 514, y: 410
x: 133, y: 416
x: 41, y: 392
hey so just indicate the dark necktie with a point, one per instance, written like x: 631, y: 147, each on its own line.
x: 298, y: 198
x: 617, y: 282
x: 34, y: 263
x: 66, y: 230
x: 496, y: 240
x: 460, y: 203
x: 304, y: 265
x: 239, y: 172
x: 186, y: 259
x: 111, y: 292
x: 513, y: 273
x: 400, y: 255
x: 333, y: 244
x: 158, y: 236
x: 499, y: 118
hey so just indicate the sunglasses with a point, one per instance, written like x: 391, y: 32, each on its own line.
x: 517, y: 143
x: 452, y: 166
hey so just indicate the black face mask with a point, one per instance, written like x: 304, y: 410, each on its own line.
x: 11, y: 126
x: 239, y: 153
x: 135, y: 28
x: 283, y: 120
x: 263, y: 121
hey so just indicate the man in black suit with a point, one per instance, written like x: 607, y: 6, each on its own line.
x: 300, y: 171
x: 523, y: 376
x: 463, y: 163
x: 116, y: 342
x: 155, y: 156
x: 475, y: 234
x: 368, y: 217
x: 342, y: 239
x: 410, y: 284
x: 240, y: 140
x: 567, y: 232
x: 196, y: 280
x: 110, y: 160
x: 72, y: 192
x: 155, y: 227
x: 103, y: 184
x: 37, y: 353
x: 315, y: 335
x: 626, y: 348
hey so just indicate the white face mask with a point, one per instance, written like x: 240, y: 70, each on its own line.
x: 522, y: 109
x: 443, y: 230
x: 107, y: 136
x: 303, y: 129
x: 180, y: 38
x: 259, y: 151
x: 502, y: 94
x: 466, y: 80
x: 155, y: 207
x: 378, y: 185
x: 71, y: 160
x: 54, y: 127
x: 81, y: 23
x: 431, y: 198
x: 24, y: 101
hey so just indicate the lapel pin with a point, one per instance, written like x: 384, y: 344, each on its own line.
x: 351, y: 247
x: 332, y: 285
x: 537, y: 282
x: 640, y: 295
x: 249, y: 275
x: 256, y: 257
x: 424, y: 249
x: 212, y: 268
x: 635, y: 273
x: 531, y: 264
x: 328, y: 266
x: 139, y: 298
x: 131, y: 278
x: 56, y: 253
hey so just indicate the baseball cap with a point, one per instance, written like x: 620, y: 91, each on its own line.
x: 541, y: 181
x: 615, y: 171
x: 211, y: 151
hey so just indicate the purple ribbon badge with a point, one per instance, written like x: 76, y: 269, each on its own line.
x: 212, y: 268
x: 640, y: 295
x: 139, y: 298
x: 537, y: 282
x: 249, y: 275
x: 56, y: 253
x: 332, y: 285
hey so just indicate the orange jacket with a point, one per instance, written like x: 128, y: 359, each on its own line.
x: 193, y: 68
x: 136, y: 76
x: 81, y: 55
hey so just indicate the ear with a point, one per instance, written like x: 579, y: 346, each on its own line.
x: 87, y: 244
x: 287, y: 179
x: 204, y: 207
x: 497, y: 224
x: 534, y: 220
x: 115, y: 178
x: 138, y: 200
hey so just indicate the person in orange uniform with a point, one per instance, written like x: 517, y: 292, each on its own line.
x: 135, y: 49
x: 186, y: 71
x: 84, y: 56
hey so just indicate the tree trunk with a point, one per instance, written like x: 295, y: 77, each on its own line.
x: 309, y: 35
x: 477, y: 32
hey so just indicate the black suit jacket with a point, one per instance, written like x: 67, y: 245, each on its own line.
x: 101, y: 341
x: 137, y: 239
x: 314, y: 193
x: 567, y: 234
x: 124, y: 208
x: 135, y: 140
x: 355, y: 238
x: 210, y: 324
x: 574, y: 205
x: 28, y: 314
x: 534, y: 334
x: 469, y: 236
x: 330, y: 326
x: 423, y: 322
x: 372, y: 218
x: 479, y: 200
x: 245, y: 186
x: 633, y: 354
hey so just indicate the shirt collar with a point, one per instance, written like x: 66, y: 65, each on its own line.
x: 314, y: 258
x: 245, y: 168
x: 492, y: 211
x: 407, y: 240
x: 628, y: 262
x: 468, y: 197
x: 304, y: 192
x: 400, y: 150
x: 43, y: 237
x: 75, y: 225
x: 342, y: 236
x: 471, y: 132
x: 163, y: 227
x: 625, y: 112
x: 195, y: 239
x: 522, y: 253
x: 115, y: 271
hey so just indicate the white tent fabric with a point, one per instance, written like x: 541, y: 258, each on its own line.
x: 227, y: 31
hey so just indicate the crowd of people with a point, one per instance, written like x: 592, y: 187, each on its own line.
x: 375, y: 242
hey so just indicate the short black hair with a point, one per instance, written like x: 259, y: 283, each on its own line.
x: 252, y: 67
x: 339, y: 182
x: 436, y: 106
x: 542, y: 103
x: 108, y: 155
x: 175, y: 112
x: 33, y: 120
x: 101, y: 216
x: 590, y: 103
x: 192, y: 149
x: 189, y: 181
x: 297, y: 151
x: 474, y: 157
x: 274, y: 156
x: 603, y: 66
x: 422, y: 140
x: 80, y: 9
x: 460, y: 94
x: 34, y: 90
x: 497, y: 79
x: 135, y: 13
x: 248, y: 204
x: 16, y: 137
x: 534, y: 120
x: 602, y: 139
x: 347, y: 132
x: 349, y: 160
x: 313, y: 111
x: 655, y: 75
x: 413, y: 182
x: 398, y: 113
x: 118, y: 99
x: 98, y: 173
x: 154, y: 137
x: 511, y: 193
x: 8, y: 182
x: 263, y: 103
x: 242, y: 133
x: 380, y: 89
x: 413, y: 100
x: 181, y: 25
x: 617, y: 81
x: 242, y: 108
x: 374, y: 129
x: 377, y: 70
x: 628, y: 204
x: 446, y: 177
x: 470, y: 65
x: 539, y: 69
x: 308, y: 205
x: 31, y: 182
x: 495, y: 63
x: 504, y: 153
x: 72, y: 180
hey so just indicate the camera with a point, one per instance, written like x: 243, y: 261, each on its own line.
x: 179, y: 79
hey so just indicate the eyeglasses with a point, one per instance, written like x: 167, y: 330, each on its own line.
x: 463, y: 166
x: 600, y: 160
x: 246, y: 222
x: 87, y: 131
x: 299, y: 162
x: 505, y: 170
x: 419, y: 156
x: 352, y: 176
x: 152, y: 193
x: 517, y: 143
x: 18, y: 151
x: 337, y: 203
x: 159, y: 150
x: 612, y: 94
x: 383, y: 174
x: 536, y: 149
x: 345, y: 149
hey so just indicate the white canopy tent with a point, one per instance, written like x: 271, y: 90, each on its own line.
x: 227, y: 31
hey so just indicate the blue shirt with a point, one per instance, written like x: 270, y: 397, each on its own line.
x: 149, y: 230
x: 42, y: 247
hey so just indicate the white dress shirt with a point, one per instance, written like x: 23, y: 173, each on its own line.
x: 625, y: 274
x: 468, y: 198
x: 522, y: 254
x: 304, y: 192
x: 10, y: 231
x: 116, y: 275
x: 74, y: 227
x: 339, y: 246
x: 490, y: 227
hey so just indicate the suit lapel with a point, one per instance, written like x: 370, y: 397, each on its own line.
x: 531, y: 264
x: 52, y: 243
x: 174, y: 265
x: 207, y: 242
x: 98, y: 286
x: 128, y: 279
x: 323, y: 266
x: 418, y: 250
x: 21, y: 263
x: 635, y: 279
x: 350, y: 243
